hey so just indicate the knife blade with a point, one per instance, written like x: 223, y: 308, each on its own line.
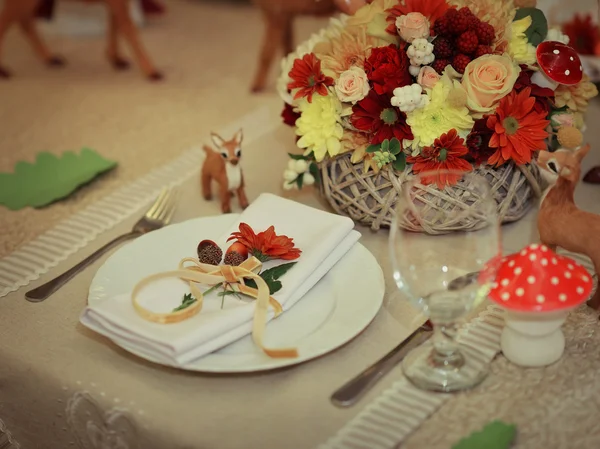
x: 354, y: 389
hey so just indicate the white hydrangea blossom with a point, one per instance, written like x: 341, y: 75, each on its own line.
x: 409, y: 98
x: 555, y: 34
x: 420, y: 52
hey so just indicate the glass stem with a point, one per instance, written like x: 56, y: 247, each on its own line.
x: 445, y: 353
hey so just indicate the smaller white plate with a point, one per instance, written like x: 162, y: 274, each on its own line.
x: 337, y: 309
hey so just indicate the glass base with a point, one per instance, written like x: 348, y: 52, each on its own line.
x: 424, y: 370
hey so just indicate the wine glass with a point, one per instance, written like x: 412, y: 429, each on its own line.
x: 445, y: 275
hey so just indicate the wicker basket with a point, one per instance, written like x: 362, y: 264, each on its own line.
x: 369, y: 198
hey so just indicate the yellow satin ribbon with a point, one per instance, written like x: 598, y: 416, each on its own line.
x: 200, y: 273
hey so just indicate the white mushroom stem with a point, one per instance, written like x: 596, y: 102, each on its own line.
x: 533, y: 339
x: 542, y: 80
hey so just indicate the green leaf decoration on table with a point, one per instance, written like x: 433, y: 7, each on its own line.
x: 538, y: 30
x: 50, y: 178
x: 272, y: 276
x: 400, y: 162
x: 495, y: 435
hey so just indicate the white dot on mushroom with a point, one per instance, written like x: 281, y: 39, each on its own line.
x: 556, y: 52
x: 567, y: 72
x: 544, y: 248
x: 523, y: 252
x: 581, y: 68
x: 554, y: 281
x: 568, y: 274
x: 518, y: 270
x: 532, y: 257
x: 580, y: 290
x: 520, y: 292
x: 544, y: 262
x: 505, y: 296
x: 531, y: 280
x: 572, y: 59
x: 534, y: 246
x: 554, y: 261
x: 505, y: 282
x: 540, y: 298
x: 562, y: 297
x: 585, y: 278
x: 570, y: 267
x: 511, y: 263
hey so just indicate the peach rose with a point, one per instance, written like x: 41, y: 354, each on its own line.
x: 352, y: 85
x: 428, y: 77
x: 487, y: 80
x: 413, y: 26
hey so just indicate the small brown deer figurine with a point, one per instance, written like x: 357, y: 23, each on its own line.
x: 560, y: 221
x: 223, y: 166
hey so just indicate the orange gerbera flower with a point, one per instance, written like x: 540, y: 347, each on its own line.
x: 432, y: 9
x: 308, y: 78
x: 518, y: 129
x: 446, y: 153
x: 266, y: 245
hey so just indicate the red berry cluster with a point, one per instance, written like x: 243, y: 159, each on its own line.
x: 461, y: 37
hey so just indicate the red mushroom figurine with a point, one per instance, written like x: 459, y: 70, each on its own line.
x: 559, y: 64
x: 538, y: 288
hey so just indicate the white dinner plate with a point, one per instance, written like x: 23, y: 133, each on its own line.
x: 333, y: 312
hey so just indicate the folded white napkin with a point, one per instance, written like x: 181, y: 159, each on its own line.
x: 324, y: 239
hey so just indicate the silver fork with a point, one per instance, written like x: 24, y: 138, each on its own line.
x: 158, y: 216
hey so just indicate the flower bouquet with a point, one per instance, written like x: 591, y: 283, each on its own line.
x: 411, y: 86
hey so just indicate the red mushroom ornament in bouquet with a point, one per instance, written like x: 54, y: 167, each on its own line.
x: 559, y: 64
x: 538, y: 288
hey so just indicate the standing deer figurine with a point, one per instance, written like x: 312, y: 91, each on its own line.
x: 223, y: 166
x: 560, y: 221
x: 23, y: 13
x: 279, y: 21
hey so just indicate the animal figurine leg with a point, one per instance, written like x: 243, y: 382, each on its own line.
x: 119, y: 9
x: 206, y: 186
x: 30, y: 31
x: 241, y: 194
x: 273, y: 36
x: 225, y: 197
x: 112, y: 48
x: 6, y: 20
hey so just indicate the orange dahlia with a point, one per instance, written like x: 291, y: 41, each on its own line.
x: 518, y: 129
x: 446, y: 153
x: 266, y: 245
x: 308, y: 78
x: 432, y: 9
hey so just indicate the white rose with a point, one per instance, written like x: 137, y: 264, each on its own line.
x: 300, y: 166
x: 290, y: 175
x: 352, y: 85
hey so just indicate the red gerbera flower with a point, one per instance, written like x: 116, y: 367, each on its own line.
x: 308, y: 78
x: 375, y: 115
x: 518, y: 130
x: 387, y: 69
x: 583, y: 34
x: 266, y: 245
x: 446, y: 153
x: 432, y: 9
x: 543, y: 95
x: 478, y: 143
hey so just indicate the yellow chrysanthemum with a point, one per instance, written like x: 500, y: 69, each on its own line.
x: 576, y: 97
x: 439, y: 116
x: 319, y: 126
x: 519, y: 47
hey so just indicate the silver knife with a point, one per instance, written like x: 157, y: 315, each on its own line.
x: 354, y: 389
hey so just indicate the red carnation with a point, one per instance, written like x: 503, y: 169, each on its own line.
x: 387, y: 69
x: 289, y: 116
x: 375, y: 115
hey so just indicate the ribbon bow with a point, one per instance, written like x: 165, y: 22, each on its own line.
x: 201, y: 273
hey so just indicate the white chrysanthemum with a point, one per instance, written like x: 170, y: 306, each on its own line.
x: 555, y: 34
x: 420, y: 52
x: 409, y: 98
x: 335, y: 28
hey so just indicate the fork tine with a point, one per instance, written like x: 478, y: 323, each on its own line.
x: 158, y: 204
x: 171, y: 208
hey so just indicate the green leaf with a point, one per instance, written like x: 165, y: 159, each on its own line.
x: 385, y: 145
x: 298, y: 157
x: 538, y: 30
x: 314, y: 170
x: 271, y: 277
x: 373, y: 148
x: 187, y: 301
x: 300, y: 180
x: 227, y: 293
x: 400, y: 162
x: 395, y: 146
x: 50, y: 178
x: 495, y: 435
x: 250, y: 283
